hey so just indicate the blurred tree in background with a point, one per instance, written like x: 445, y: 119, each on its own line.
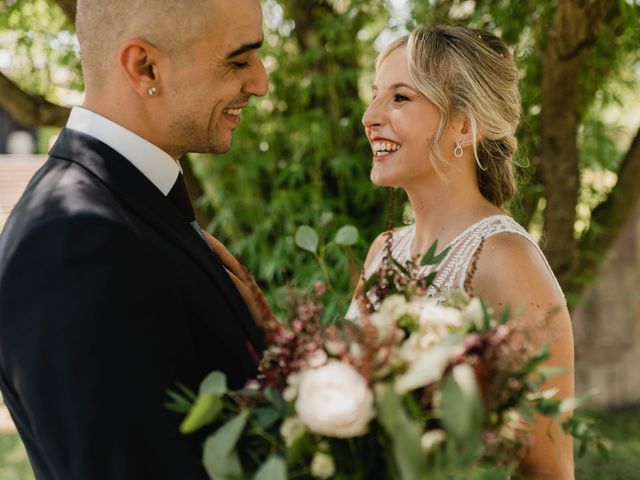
x: 300, y: 156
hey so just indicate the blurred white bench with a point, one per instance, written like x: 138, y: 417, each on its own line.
x: 15, y: 173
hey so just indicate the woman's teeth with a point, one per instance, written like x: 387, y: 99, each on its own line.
x: 384, y: 148
x: 232, y: 111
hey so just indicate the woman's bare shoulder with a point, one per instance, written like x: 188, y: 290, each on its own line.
x: 510, y: 269
x: 380, y: 241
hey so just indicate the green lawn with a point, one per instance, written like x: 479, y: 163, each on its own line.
x: 13, y: 459
x: 621, y: 427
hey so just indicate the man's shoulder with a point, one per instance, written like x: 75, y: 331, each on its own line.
x: 59, y: 188
x: 60, y: 196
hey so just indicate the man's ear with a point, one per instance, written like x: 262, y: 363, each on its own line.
x: 138, y: 61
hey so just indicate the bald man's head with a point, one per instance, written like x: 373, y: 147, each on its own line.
x: 176, y: 72
x: 102, y: 26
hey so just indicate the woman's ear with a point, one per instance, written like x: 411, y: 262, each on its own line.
x: 465, y: 130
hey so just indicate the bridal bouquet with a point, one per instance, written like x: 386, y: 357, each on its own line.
x: 416, y: 389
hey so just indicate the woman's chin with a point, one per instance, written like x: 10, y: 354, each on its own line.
x: 381, y: 180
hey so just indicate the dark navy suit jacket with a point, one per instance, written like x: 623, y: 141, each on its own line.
x: 108, y: 298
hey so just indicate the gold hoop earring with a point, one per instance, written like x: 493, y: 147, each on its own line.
x: 152, y: 91
x: 457, y: 152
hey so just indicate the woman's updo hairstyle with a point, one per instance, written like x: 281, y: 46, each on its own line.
x: 470, y: 72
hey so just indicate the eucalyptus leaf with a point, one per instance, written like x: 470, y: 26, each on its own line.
x: 274, y: 468
x: 462, y: 409
x: 265, y: 417
x: 307, y: 239
x: 404, y: 434
x: 347, y: 235
x: 215, y: 382
x: 219, y: 458
x: 205, y: 410
x: 275, y: 398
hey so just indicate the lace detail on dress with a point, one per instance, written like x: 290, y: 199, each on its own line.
x: 453, y: 270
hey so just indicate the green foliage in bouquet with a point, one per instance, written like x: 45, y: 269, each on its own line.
x: 417, y: 388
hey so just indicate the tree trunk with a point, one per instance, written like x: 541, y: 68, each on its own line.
x: 573, y: 31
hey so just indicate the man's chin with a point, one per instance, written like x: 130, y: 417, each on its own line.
x: 221, y: 146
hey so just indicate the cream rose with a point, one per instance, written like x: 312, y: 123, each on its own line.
x: 334, y: 400
x: 436, y: 317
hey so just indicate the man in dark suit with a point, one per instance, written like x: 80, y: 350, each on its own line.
x: 109, y: 294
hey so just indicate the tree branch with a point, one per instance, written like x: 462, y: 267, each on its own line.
x: 29, y: 109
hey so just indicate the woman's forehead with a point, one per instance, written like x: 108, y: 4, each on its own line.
x: 393, y: 71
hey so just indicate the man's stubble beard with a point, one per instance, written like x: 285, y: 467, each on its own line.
x: 196, y: 139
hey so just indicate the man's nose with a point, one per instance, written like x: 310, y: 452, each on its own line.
x: 258, y: 83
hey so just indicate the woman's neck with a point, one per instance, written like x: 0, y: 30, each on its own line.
x: 444, y: 209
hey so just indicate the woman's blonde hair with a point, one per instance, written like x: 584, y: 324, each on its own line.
x: 469, y: 72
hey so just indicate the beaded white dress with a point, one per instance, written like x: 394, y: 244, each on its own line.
x: 454, y: 268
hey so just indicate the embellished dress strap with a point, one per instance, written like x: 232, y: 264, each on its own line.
x: 400, y: 248
x: 454, y: 269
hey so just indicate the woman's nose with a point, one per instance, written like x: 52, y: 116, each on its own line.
x: 373, y: 115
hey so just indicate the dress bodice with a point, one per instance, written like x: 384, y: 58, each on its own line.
x: 454, y: 267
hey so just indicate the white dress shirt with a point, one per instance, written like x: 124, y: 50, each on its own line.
x: 154, y: 163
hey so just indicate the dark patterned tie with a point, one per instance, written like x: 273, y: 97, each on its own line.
x: 180, y: 198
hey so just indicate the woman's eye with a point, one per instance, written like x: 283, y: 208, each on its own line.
x: 240, y: 64
x: 400, y: 98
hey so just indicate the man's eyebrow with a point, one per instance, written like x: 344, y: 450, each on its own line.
x: 245, y: 48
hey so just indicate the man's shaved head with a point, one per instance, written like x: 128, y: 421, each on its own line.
x: 176, y: 72
x: 103, y: 25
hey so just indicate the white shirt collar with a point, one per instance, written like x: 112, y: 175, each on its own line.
x: 153, y: 162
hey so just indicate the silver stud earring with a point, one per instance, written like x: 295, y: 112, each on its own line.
x: 152, y: 91
x: 458, y: 150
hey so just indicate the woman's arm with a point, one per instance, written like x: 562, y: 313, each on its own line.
x: 511, y: 271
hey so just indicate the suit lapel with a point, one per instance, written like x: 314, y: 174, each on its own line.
x: 140, y: 195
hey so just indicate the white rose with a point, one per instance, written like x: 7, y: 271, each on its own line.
x: 424, y: 368
x: 334, y: 400
x: 434, y: 316
x: 322, y: 465
x: 392, y: 309
x: 291, y: 430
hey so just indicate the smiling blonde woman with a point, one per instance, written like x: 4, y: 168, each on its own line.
x: 442, y: 126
